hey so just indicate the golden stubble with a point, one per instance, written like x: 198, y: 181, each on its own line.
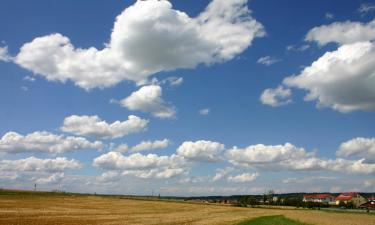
x: 81, y: 210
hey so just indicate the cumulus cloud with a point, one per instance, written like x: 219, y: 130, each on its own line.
x: 93, y: 126
x: 4, y: 55
x: 360, y: 147
x: 222, y: 173
x: 292, y: 158
x: 268, y: 60
x: 121, y: 148
x: 53, y: 179
x: 203, y: 151
x: 148, y: 99
x: 245, y: 177
x: 276, y: 97
x: 46, y: 142
x: 33, y: 164
x: 147, y: 37
x: 150, y: 145
x: 342, y: 33
x: 341, y: 79
x: 142, y: 166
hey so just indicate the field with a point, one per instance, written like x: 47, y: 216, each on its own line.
x: 40, y: 209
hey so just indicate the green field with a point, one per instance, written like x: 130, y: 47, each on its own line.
x: 271, y: 220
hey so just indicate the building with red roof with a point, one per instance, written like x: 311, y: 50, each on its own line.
x: 322, y: 198
x: 353, y: 197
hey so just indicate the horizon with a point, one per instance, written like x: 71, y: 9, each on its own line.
x: 203, y: 98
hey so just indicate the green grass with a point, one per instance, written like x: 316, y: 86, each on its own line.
x: 271, y: 220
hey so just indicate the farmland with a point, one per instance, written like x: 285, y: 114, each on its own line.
x: 32, y: 209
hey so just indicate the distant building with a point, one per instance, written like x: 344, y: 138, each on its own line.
x: 368, y: 205
x: 321, y: 198
x: 353, y: 197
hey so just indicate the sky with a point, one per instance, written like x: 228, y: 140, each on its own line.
x: 187, y: 98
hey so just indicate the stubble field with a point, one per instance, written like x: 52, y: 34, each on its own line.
x: 80, y: 210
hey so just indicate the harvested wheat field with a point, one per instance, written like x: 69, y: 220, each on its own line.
x: 57, y: 210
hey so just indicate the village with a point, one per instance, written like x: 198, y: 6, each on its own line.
x: 345, y: 200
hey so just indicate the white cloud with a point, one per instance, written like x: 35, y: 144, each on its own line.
x: 204, y: 112
x: 276, y: 97
x: 292, y: 158
x: 173, y: 81
x: 13, y: 142
x: 4, y: 55
x: 150, y: 145
x: 268, y: 60
x: 365, y: 8
x: 298, y: 49
x: 121, y: 148
x: 342, y: 33
x: 245, y: 177
x: 342, y: 79
x: 262, y: 154
x: 29, y: 78
x: 221, y: 173
x: 142, y: 166
x: 53, y: 179
x: 147, y: 37
x: 204, y: 151
x: 360, y: 147
x: 148, y: 99
x: 33, y: 164
x: 93, y: 126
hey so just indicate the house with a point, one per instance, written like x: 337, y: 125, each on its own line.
x: 353, y: 197
x: 368, y: 205
x: 321, y: 198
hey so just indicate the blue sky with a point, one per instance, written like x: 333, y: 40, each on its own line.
x: 164, y: 67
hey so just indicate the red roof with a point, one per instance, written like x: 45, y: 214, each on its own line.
x: 371, y: 199
x: 317, y: 196
x: 346, y: 196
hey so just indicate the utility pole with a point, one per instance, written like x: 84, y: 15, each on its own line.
x: 35, y: 187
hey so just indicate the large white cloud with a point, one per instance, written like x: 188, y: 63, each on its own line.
x: 276, y: 97
x: 142, y: 166
x: 360, y: 147
x: 93, y: 126
x: 342, y: 33
x: 148, y: 99
x: 150, y: 145
x: 46, y: 142
x: 343, y: 79
x: 291, y: 158
x: 147, y: 37
x: 33, y: 164
x: 204, y: 151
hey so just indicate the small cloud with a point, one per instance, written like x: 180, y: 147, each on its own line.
x: 329, y: 15
x: 268, y: 60
x: 29, y: 78
x: 204, y: 112
x: 297, y: 49
x: 24, y: 88
x: 365, y: 8
x: 114, y: 101
x: 4, y: 55
x: 276, y: 97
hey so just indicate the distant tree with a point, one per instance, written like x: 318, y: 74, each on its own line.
x: 342, y: 204
x: 350, y: 205
x: 270, y: 195
x: 252, y: 201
